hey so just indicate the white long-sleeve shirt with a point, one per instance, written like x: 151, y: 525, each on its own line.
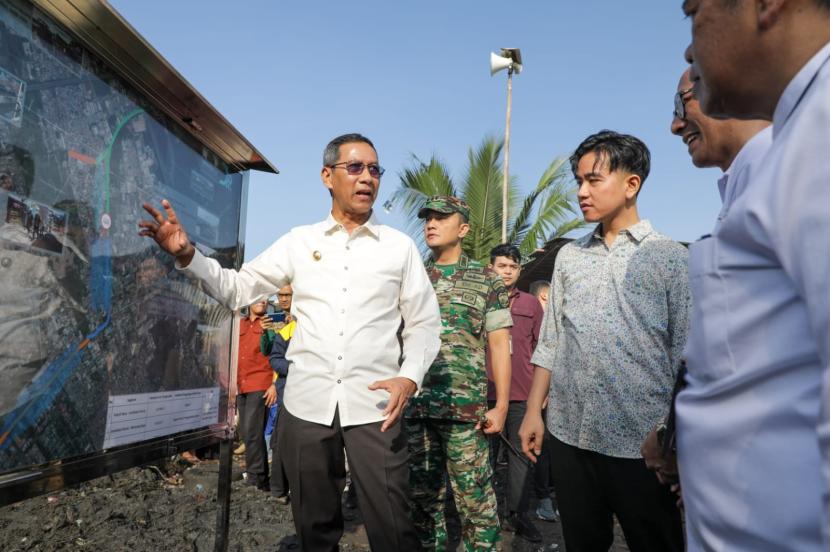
x: 753, y: 424
x: 351, y: 293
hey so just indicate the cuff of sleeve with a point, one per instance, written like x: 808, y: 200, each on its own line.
x: 498, y: 319
x: 542, y: 357
x: 409, y: 371
x: 197, y: 266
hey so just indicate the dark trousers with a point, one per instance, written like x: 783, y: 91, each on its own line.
x: 279, y: 482
x: 519, y: 473
x: 253, y: 415
x: 590, y: 487
x: 315, y: 464
x: 543, y: 480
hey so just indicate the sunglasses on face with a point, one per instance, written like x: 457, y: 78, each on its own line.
x: 680, y: 103
x: 355, y: 168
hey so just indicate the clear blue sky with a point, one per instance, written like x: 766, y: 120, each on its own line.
x: 414, y: 77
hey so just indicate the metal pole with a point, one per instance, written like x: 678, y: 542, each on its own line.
x: 223, y: 511
x: 504, y: 198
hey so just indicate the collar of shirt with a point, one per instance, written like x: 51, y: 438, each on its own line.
x: 372, y: 226
x: 754, y: 149
x: 463, y: 262
x: 637, y: 231
x: 246, y: 325
x: 798, y: 86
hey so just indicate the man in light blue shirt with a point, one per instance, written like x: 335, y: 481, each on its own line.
x: 736, y: 147
x: 753, y: 430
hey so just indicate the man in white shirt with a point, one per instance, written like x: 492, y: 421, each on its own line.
x: 354, y: 282
x: 753, y: 430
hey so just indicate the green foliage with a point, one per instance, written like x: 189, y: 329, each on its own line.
x: 548, y: 212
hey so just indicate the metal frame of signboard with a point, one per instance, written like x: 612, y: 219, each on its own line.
x: 37, y: 480
x: 107, y: 35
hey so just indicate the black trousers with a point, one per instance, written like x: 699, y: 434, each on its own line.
x: 590, y: 487
x: 519, y: 473
x: 312, y: 455
x: 543, y: 480
x: 279, y: 481
x: 253, y: 416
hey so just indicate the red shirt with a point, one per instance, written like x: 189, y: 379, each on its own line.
x: 253, y: 372
x: 527, y: 316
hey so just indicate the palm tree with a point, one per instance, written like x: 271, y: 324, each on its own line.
x: 546, y: 213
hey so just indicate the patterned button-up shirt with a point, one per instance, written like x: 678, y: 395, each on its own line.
x: 613, y: 336
x: 473, y: 301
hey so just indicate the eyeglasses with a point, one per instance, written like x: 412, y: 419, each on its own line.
x: 680, y: 103
x: 355, y: 168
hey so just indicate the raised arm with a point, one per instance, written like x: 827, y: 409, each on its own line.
x: 257, y: 279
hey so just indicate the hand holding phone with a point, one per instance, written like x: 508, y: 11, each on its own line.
x: 276, y: 317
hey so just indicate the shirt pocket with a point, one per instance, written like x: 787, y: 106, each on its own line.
x: 708, y: 354
x: 522, y: 319
x: 468, y: 308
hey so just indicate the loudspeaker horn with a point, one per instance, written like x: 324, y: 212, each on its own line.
x: 497, y: 63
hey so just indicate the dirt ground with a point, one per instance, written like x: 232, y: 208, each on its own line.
x: 171, y: 506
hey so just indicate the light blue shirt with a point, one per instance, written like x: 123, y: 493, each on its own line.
x: 753, y: 434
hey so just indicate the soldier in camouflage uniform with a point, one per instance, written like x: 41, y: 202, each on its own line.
x: 445, y: 420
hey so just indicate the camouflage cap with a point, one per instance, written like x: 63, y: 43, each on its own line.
x: 445, y: 204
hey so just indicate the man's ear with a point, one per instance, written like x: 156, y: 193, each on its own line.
x: 632, y: 186
x: 769, y: 11
x: 325, y: 176
x: 463, y: 229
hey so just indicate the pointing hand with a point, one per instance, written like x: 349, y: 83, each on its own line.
x: 167, y: 232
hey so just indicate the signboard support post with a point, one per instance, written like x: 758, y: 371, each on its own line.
x: 223, y: 512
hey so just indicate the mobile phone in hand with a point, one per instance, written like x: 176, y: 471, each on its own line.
x: 277, y: 317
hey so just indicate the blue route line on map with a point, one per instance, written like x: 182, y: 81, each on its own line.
x: 44, y: 388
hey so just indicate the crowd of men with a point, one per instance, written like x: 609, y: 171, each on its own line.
x: 706, y: 366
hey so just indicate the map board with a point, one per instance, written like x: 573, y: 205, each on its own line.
x: 102, y: 342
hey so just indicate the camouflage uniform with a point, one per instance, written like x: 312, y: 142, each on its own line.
x: 453, y: 398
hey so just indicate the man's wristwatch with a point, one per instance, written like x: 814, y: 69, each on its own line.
x: 661, y: 434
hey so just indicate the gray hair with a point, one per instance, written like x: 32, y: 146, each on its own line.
x: 332, y: 152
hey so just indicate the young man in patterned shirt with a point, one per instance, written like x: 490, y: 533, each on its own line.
x: 446, y: 419
x: 608, y: 356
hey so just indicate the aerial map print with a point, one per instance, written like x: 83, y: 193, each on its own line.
x: 101, y: 341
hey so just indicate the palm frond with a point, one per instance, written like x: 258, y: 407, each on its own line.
x: 547, y: 212
x: 418, y: 182
x: 482, y: 192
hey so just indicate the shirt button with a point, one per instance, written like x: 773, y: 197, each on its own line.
x: 341, y: 333
x: 348, y: 247
x: 338, y: 381
x: 342, y: 311
x: 344, y: 289
x: 339, y: 357
x: 345, y: 268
